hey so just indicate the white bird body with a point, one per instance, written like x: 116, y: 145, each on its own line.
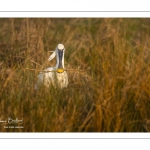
x: 58, y: 77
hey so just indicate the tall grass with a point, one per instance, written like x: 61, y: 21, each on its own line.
x: 113, y: 96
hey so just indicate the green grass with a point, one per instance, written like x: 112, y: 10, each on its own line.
x: 113, y: 96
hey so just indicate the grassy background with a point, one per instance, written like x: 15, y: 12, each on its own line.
x: 114, y: 96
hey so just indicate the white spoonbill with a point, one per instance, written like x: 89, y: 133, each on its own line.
x: 56, y: 76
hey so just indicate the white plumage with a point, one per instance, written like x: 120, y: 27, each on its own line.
x: 58, y: 77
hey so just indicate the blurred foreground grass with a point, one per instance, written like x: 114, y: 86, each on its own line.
x: 114, y: 96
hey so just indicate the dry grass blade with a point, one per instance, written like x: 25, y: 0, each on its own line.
x: 50, y: 51
x: 20, y: 56
x: 76, y: 70
x: 35, y: 63
x: 40, y: 70
x: 55, y: 70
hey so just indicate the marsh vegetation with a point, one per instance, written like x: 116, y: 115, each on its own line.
x: 113, y: 95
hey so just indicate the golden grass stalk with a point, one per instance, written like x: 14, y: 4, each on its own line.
x: 55, y: 70
x: 50, y: 51
x: 35, y: 63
